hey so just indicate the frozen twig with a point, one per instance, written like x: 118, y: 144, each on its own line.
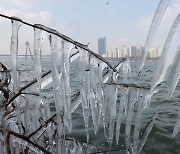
x: 66, y: 38
x: 25, y: 138
x: 40, y: 127
x: 129, y: 85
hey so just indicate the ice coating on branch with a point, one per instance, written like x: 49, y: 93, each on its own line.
x: 14, y: 54
x: 125, y: 100
x: 137, y: 124
x: 126, y: 69
x: 38, y: 40
x: 66, y: 50
x: 85, y: 87
x: 130, y: 111
x: 153, y: 29
x: 27, y: 115
x: 96, y: 90
x: 146, y: 132
x: 119, y: 117
x: 148, y: 96
x: 56, y: 85
x: 60, y: 52
x: 74, y: 54
x: 168, y: 65
x: 176, y: 129
x: 109, y: 107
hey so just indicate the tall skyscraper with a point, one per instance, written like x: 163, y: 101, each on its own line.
x: 102, y: 46
x: 132, y: 52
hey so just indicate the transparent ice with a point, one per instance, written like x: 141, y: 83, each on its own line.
x: 158, y: 15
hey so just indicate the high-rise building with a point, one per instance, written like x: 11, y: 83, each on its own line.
x: 120, y: 52
x: 115, y: 52
x: 132, y: 52
x: 125, y: 51
x: 110, y: 53
x: 140, y: 50
x: 102, y: 46
x: 153, y: 53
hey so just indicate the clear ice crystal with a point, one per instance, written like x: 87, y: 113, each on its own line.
x: 96, y: 91
x: 14, y: 53
x: 60, y: 54
x: 153, y: 29
x: 137, y: 123
x: 38, y: 40
x: 146, y: 132
x: 168, y: 65
x: 119, y: 119
x: 85, y: 87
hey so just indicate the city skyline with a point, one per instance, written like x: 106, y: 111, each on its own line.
x: 133, y: 52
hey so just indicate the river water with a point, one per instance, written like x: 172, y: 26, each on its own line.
x: 160, y: 140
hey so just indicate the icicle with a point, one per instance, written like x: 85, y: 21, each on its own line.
x: 137, y: 124
x: 119, y: 120
x: 153, y: 29
x: 146, y: 133
x: 168, y: 65
x: 109, y: 107
x: 66, y: 78
x: 27, y: 115
x: 125, y: 100
x: 56, y: 86
x: 61, y: 67
x: 112, y: 111
x: 105, y: 108
x: 14, y: 53
x: 96, y: 91
x: 148, y: 96
x: 17, y: 110
x: 130, y: 112
x: 39, y: 36
x: 85, y: 87
x: 126, y: 69
x: 176, y: 129
x: 99, y: 89
x: 74, y: 54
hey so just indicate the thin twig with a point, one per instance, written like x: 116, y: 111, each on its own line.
x: 25, y: 87
x: 8, y: 149
x: 40, y: 127
x: 25, y: 138
x: 142, y: 134
x: 34, y: 94
x: 129, y: 85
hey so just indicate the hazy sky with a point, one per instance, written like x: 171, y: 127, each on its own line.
x: 123, y: 22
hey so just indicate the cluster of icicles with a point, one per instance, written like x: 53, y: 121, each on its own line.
x: 31, y: 127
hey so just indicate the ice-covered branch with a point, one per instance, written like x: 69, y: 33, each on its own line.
x: 40, y: 127
x: 64, y: 37
x: 129, y: 85
x: 25, y: 138
x: 25, y: 87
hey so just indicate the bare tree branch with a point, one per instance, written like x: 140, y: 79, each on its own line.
x: 25, y: 138
x: 8, y: 149
x: 129, y: 85
x: 40, y: 127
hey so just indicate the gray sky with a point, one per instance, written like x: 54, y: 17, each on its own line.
x: 123, y: 22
